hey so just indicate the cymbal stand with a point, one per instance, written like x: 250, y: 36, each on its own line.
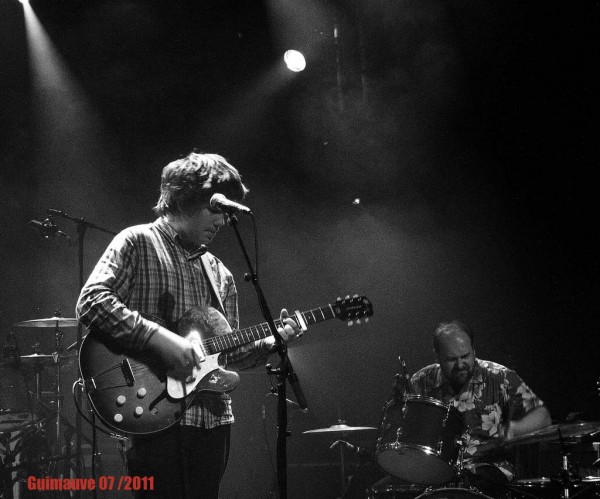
x: 343, y: 436
x: 58, y: 335
x: 566, y: 473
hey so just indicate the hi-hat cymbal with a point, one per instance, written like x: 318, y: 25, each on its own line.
x: 50, y: 322
x: 554, y: 432
x: 341, y: 428
x: 37, y: 359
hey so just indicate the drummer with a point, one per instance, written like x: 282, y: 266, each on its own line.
x: 495, y: 402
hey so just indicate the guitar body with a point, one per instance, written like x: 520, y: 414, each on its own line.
x: 132, y: 393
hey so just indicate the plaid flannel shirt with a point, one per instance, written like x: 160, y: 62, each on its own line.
x: 145, y: 270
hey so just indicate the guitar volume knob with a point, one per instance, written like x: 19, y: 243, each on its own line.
x: 118, y: 418
x: 141, y: 393
x: 139, y: 411
x: 121, y: 399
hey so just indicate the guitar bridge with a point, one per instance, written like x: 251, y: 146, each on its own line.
x: 127, y: 372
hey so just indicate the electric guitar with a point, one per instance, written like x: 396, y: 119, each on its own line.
x: 132, y: 393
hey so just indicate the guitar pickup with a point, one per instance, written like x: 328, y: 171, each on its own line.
x: 127, y: 372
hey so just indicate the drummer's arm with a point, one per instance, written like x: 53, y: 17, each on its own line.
x: 535, y: 419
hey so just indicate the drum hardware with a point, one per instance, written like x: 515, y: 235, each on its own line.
x: 583, y: 432
x: 24, y: 418
x: 596, y: 463
x: 58, y: 360
x: 551, y: 488
x: 566, y: 484
x: 340, y: 429
x: 461, y: 479
x: 567, y: 475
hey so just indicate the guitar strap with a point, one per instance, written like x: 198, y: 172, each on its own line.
x: 213, y: 284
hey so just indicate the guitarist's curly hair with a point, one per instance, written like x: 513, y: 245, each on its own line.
x: 188, y: 183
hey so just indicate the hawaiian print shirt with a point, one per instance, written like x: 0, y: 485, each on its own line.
x: 494, y: 396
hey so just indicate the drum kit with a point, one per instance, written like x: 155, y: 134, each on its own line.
x: 421, y: 444
x: 31, y: 420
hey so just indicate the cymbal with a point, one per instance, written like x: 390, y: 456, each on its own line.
x: 42, y: 359
x: 553, y: 433
x: 37, y: 358
x: 50, y: 322
x: 340, y: 428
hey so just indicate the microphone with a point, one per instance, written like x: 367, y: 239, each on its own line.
x: 51, y: 211
x: 227, y: 205
x: 47, y: 228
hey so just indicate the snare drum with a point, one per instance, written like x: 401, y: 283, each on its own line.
x: 16, y: 410
x: 421, y: 445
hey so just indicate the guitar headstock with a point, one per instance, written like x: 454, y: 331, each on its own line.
x: 353, y: 309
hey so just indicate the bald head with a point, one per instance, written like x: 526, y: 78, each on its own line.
x: 448, y: 330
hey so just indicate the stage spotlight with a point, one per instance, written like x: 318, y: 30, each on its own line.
x: 294, y: 60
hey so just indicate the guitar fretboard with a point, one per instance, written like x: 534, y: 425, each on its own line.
x: 218, y: 344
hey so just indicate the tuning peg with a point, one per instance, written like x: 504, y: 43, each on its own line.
x: 350, y: 323
x: 366, y: 319
x: 358, y: 321
x: 338, y: 299
x: 347, y: 297
x: 355, y: 296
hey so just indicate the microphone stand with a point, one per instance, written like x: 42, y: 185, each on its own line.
x: 284, y: 372
x: 82, y: 226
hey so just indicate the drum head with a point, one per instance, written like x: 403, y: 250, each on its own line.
x: 415, y: 464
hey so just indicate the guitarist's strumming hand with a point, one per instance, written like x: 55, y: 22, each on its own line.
x: 177, y: 352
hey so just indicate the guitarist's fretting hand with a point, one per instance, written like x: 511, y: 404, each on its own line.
x: 290, y: 330
x: 176, y: 351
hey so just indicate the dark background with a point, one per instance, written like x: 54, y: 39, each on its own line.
x: 466, y: 128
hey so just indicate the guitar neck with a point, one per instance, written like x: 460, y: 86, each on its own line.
x: 247, y: 335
